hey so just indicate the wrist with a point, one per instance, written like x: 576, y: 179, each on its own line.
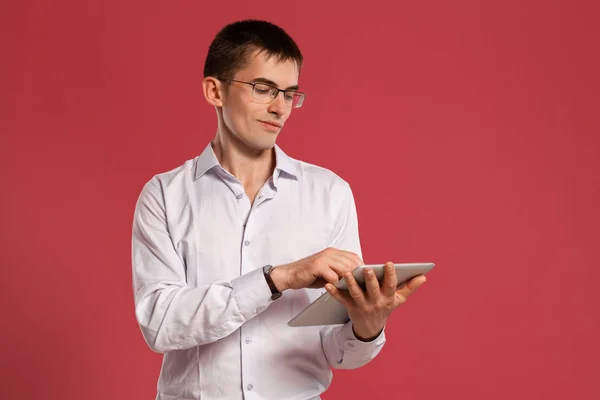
x: 279, y: 277
x: 367, y: 334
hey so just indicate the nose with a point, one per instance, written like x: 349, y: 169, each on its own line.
x: 277, y: 106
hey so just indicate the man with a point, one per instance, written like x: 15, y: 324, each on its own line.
x: 207, y: 235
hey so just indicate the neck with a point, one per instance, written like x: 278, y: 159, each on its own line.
x: 251, y: 166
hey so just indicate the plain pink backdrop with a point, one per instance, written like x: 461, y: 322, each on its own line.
x: 469, y: 131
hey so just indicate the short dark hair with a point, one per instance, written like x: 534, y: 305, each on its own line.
x: 229, y: 51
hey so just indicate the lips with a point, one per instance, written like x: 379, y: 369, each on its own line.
x: 275, y: 124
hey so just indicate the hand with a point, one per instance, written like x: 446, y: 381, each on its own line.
x: 368, y: 310
x: 314, y: 271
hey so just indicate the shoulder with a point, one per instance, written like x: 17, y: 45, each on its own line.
x: 315, y: 179
x: 309, y: 174
x: 169, y: 182
x: 323, y: 179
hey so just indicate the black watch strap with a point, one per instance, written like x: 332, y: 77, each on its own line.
x: 275, y: 294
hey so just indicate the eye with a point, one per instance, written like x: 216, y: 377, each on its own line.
x: 262, y: 89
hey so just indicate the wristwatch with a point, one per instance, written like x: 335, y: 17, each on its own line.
x: 275, y: 294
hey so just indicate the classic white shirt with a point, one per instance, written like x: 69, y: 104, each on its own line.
x: 201, y: 298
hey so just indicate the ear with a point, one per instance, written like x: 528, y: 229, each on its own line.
x: 213, y: 91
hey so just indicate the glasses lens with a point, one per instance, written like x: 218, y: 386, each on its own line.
x: 262, y: 93
x: 266, y: 94
x: 294, y: 99
x: 298, y: 100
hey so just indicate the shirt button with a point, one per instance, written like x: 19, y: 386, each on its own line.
x: 351, y: 345
x: 246, y: 243
x: 239, y: 196
x: 248, y: 340
x: 250, y: 387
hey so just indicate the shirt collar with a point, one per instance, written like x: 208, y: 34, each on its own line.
x: 206, y: 161
x: 284, y: 164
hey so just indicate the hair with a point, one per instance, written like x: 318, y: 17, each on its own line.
x: 230, y: 49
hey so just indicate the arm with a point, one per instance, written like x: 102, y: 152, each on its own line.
x: 172, y: 315
x: 342, y: 348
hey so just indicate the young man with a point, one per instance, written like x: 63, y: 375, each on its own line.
x: 207, y: 235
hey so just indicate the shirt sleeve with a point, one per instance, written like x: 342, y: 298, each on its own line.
x: 170, y: 314
x: 341, y: 347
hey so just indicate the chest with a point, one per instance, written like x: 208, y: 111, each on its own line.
x: 223, y: 236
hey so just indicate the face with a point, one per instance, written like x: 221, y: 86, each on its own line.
x: 255, y: 124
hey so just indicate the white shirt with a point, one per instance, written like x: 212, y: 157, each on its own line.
x: 201, y: 298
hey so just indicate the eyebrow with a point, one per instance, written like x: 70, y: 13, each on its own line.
x: 270, y: 82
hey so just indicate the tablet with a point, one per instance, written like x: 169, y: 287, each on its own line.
x: 326, y: 310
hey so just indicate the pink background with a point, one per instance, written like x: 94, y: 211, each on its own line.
x: 469, y: 131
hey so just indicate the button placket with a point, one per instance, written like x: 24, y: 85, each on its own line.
x: 245, y: 212
x: 248, y: 351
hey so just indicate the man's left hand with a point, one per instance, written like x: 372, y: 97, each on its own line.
x: 368, y: 310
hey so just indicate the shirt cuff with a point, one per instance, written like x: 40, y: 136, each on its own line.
x: 251, y: 293
x: 352, y: 342
x: 355, y: 353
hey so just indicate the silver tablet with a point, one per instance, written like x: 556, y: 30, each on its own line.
x: 326, y: 310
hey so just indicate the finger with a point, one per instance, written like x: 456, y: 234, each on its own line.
x: 390, y: 281
x: 353, y: 260
x: 318, y: 283
x: 339, y: 295
x: 411, y: 286
x: 329, y: 275
x: 354, y: 289
x: 372, y: 284
x: 356, y: 260
x: 341, y: 264
x: 336, y: 262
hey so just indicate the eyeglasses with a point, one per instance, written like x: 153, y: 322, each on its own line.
x: 264, y: 93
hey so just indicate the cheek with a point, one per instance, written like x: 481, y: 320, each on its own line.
x: 235, y: 117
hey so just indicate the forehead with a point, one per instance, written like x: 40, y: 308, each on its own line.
x: 284, y: 73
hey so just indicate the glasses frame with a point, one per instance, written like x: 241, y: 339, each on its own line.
x: 284, y: 91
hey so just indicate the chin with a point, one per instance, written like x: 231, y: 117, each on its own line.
x: 264, y: 145
x: 263, y: 142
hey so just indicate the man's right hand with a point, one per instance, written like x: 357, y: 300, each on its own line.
x: 315, y: 271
